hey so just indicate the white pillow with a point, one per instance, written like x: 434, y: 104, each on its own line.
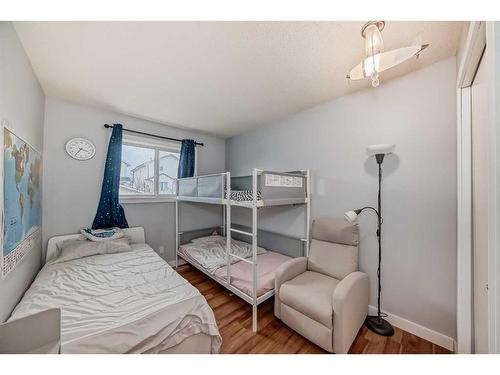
x: 215, y: 239
x: 212, y: 238
x: 75, y: 249
x: 99, y: 235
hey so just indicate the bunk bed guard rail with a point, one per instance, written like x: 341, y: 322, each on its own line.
x: 206, y: 186
x: 273, y: 187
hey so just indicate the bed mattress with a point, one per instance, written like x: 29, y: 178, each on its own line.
x: 210, y: 251
x: 131, y: 302
x: 242, y: 273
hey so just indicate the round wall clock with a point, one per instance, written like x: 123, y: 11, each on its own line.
x: 80, y: 149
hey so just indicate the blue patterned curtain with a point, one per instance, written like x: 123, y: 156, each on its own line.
x: 110, y: 213
x: 186, y: 162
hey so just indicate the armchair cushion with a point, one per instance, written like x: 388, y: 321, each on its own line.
x: 310, y: 293
x: 332, y: 259
x: 336, y: 231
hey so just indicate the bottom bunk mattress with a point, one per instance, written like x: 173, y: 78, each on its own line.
x: 130, y: 302
x: 242, y: 273
x: 210, y: 252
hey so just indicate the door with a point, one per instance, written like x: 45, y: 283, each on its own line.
x: 480, y: 156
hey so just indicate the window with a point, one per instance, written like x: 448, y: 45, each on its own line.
x: 168, y: 162
x: 148, y: 170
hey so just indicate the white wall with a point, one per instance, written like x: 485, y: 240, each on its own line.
x: 22, y: 105
x: 72, y: 188
x: 492, y: 57
x: 417, y: 113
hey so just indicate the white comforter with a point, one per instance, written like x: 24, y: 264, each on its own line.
x: 131, y: 302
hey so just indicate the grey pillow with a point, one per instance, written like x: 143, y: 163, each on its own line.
x: 75, y: 249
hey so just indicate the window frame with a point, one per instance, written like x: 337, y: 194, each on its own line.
x: 157, y: 146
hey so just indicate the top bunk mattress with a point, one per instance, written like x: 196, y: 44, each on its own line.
x: 131, y: 302
x: 210, y: 252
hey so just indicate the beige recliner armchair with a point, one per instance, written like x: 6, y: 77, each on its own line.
x: 324, y: 297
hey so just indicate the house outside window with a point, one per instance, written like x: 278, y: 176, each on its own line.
x: 148, y: 169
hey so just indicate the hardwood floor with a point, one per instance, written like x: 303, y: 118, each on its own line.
x: 234, y: 318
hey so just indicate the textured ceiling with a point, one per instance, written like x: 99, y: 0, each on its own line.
x: 219, y: 77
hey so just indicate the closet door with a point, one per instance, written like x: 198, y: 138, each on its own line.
x: 480, y: 155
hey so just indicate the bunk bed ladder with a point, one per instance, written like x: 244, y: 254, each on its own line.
x: 177, y: 243
x: 253, y: 234
x: 254, y: 249
x: 308, y: 211
x: 228, y: 227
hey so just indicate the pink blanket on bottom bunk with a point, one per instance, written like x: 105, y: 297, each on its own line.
x: 242, y: 273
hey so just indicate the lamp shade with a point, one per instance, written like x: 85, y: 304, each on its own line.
x: 380, y: 149
x: 351, y: 216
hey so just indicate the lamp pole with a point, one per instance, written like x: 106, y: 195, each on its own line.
x: 377, y: 323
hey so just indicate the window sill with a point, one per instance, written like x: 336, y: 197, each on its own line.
x: 128, y: 200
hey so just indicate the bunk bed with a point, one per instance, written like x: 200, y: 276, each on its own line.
x: 243, y: 267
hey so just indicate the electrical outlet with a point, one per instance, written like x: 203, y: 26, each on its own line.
x: 162, y: 249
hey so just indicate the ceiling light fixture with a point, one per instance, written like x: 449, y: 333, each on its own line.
x: 376, y: 60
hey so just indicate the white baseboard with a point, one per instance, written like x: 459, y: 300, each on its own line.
x: 418, y: 330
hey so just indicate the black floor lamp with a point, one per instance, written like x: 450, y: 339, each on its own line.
x: 376, y: 323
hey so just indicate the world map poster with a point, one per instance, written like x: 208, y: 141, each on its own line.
x: 22, y: 200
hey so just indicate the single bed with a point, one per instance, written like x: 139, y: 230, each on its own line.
x: 209, y: 254
x: 130, y: 302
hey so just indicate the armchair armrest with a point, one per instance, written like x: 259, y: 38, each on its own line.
x: 285, y: 272
x: 350, y: 308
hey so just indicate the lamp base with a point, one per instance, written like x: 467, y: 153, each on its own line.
x: 379, y: 326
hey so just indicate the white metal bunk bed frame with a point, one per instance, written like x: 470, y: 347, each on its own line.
x: 254, y: 204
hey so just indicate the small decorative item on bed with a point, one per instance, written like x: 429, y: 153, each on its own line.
x: 102, y: 234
